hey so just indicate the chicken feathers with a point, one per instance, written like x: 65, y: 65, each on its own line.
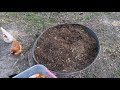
x: 16, y: 47
x: 7, y: 37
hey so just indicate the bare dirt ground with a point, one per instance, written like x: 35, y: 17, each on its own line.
x: 26, y: 26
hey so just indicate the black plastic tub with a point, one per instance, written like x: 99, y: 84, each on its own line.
x: 87, y: 30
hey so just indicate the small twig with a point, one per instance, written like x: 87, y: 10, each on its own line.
x: 18, y: 69
x: 15, y: 63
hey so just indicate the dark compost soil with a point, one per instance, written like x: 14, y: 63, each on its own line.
x: 65, y: 48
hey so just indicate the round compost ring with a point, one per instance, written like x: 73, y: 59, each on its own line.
x: 56, y: 44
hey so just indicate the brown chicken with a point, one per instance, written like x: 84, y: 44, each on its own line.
x: 37, y: 76
x: 16, y: 47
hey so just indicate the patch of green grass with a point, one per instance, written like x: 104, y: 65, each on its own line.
x: 31, y: 16
x: 97, y: 13
x: 37, y: 21
x: 13, y: 14
x: 12, y: 17
x: 110, y: 50
x: 91, y: 15
x: 107, y: 13
x: 110, y: 15
x: 33, y: 20
x: 118, y: 73
x: 88, y: 17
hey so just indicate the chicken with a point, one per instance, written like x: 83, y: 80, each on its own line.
x: 16, y: 47
x: 37, y: 76
x: 7, y: 37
